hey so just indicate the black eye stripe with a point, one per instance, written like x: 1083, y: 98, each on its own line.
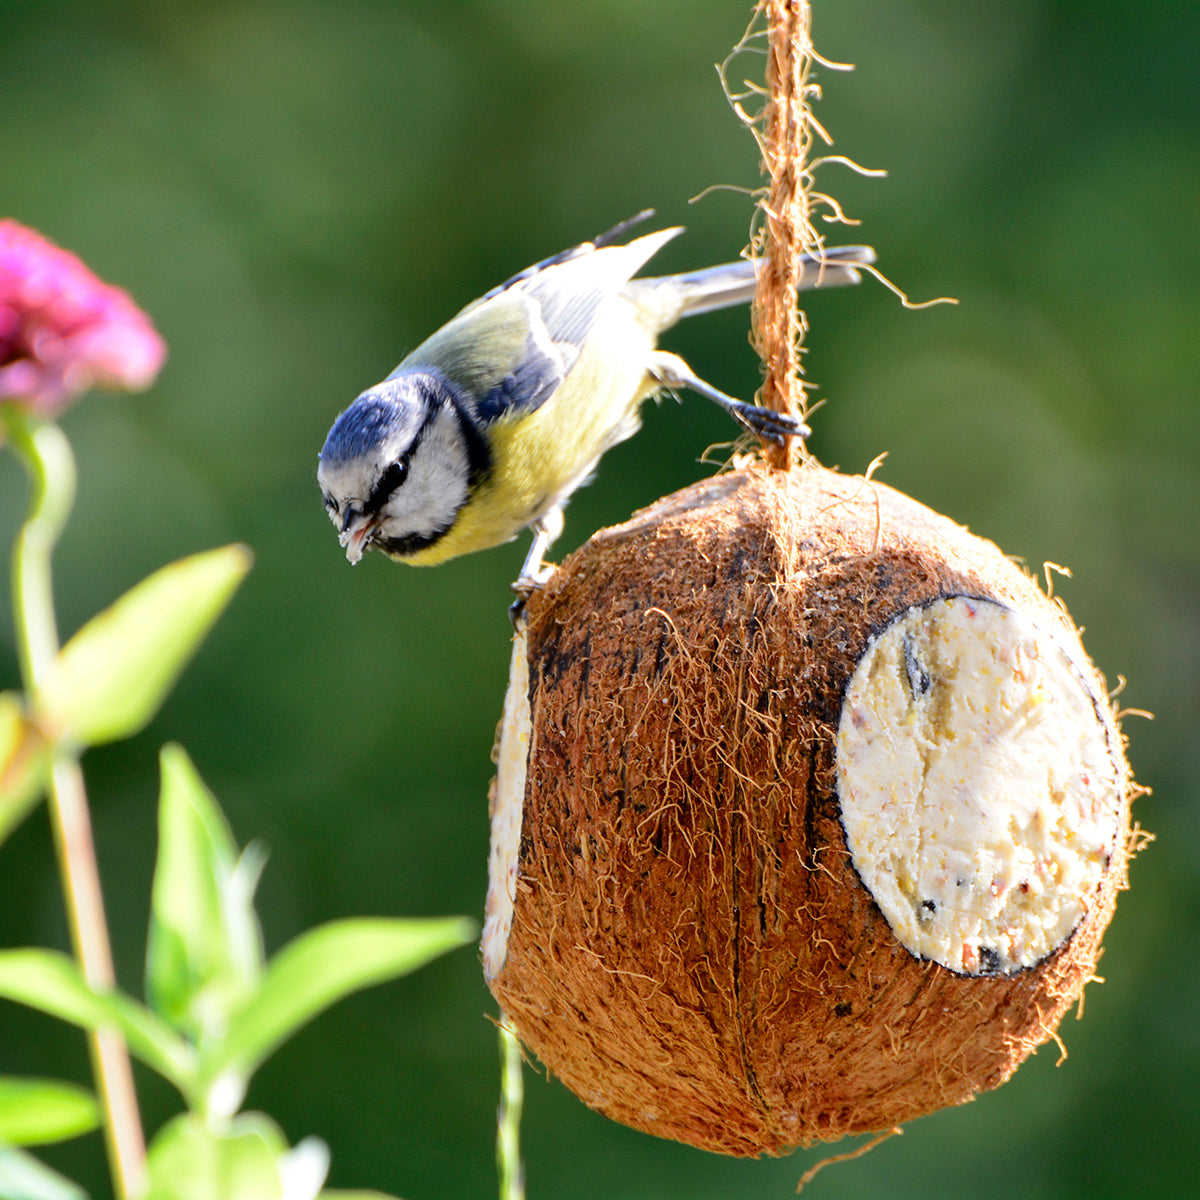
x: 393, y: 476
x: 395, y: 473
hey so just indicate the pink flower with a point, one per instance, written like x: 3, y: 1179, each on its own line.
x: 63, y: 330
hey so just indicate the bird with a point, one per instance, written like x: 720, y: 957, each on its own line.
x: 490, y: 424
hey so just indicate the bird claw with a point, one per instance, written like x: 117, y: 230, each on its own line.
x: 670, y: 371
x: 525, y: 585
x: 774, y: 427
x: 516, y: 614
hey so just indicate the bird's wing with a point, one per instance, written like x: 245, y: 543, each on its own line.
x: 569, y: 293
x: 511, y: 349
x: 605, y: 239
x: 498, y: 352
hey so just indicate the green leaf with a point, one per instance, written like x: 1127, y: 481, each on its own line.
x: 189, y: 1161
x: 22, y: 1177
x: 111, y: 678
x: 320, y: 967
x: 36, y: 1111
x: 51, y: 983
x: 204, y: 957
x: 24, y: 762
x: 353, y: 1194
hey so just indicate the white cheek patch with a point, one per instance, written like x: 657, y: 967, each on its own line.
x: 979, y: 793
x: 428, y: 501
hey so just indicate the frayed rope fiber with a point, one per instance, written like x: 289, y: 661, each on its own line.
x: 785, y: 140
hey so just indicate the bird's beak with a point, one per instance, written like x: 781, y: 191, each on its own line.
x: 357, y: 531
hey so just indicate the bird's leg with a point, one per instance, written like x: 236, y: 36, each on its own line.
x: 671, y: 371
x: 535, y: 573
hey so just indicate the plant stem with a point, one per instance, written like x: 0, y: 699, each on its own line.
x: 47, y: 455
x: 508, y: 1119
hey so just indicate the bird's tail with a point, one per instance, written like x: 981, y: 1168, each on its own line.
x: 734, y: 283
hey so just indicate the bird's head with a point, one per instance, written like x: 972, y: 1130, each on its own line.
x: 395, y: 470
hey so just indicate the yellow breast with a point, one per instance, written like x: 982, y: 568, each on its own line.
x: 540, y: 457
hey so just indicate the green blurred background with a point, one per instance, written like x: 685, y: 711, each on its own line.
x: 299, y: 192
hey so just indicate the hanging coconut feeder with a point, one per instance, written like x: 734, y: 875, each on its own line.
x: 810, y: 814
x: 810, y: 810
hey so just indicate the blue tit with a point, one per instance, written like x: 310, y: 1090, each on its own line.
x: 487, y: 427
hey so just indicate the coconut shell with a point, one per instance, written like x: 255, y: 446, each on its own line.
x: 691, y: 950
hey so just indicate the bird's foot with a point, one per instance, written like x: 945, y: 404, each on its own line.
x: 524, y: 586
x: 774, y: 427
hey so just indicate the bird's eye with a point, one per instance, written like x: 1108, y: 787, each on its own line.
x: 330, y: 503
x: 393, y: 476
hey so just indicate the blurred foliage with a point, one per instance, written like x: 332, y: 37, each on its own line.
x: 298, y: 193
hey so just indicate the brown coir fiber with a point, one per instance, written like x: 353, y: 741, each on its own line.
x: 691, y: 950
